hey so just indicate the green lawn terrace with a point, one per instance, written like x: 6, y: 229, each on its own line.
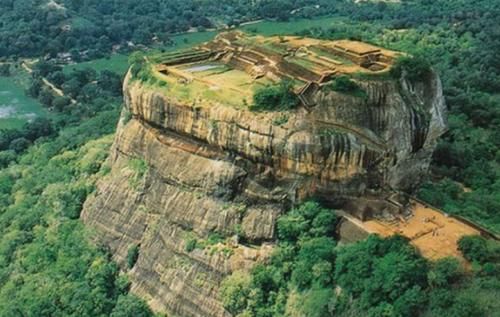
x: 231, y: 67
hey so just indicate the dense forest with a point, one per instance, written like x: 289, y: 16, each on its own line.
x: 91, y: 27
x: 377, y: 277
x: 50, y: 267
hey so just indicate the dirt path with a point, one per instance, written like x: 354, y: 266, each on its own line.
x: 252, y: 22
x: 56, y: 90
x: 26, y: 67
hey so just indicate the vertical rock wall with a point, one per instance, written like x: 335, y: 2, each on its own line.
x: 199, y: 187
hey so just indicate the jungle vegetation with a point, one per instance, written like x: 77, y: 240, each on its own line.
x: 310, y: 274
x: 49, y: 266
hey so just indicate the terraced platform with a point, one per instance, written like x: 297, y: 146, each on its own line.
x: 232, y: 66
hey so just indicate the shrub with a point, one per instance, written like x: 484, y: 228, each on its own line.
x: 314, y: 263
x: 490, y: 269
x: 191, y: 245
x: 415, y: 68
x: 140, y: 168
x: 273, y: 97
x: 127, y: 116
x: 346, y: 85
x: 316, y: 302
x: 131, y: 306
x: 474, y: 248
x: 234, y: 292
x: 440, y: 193
x: 139, y: 68
x: 307, y: 220
x: 410, y: 302
x: 136, y: 58
x: 6, y: 157
x: 444, y: 272
x: 60, y: 102
x: 466, y: 307
x: 135, y: 69
x: 380, y: 270
x: 5, y: 70
x: 132, y: 256
x: 343, y: 84
x: 40, y: 127
x: 280, y: 120
x: 72, y: 199
x: 214, y: 238
x: 46, y: 97
x: 19, y: 145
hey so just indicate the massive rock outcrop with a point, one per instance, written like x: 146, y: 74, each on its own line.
x: 198, y: 187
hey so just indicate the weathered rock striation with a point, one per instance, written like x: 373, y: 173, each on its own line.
x: 210, y: 168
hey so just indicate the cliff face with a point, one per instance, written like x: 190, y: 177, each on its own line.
x: 221, y: 176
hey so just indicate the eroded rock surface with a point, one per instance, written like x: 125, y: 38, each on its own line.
x: 210, y: 169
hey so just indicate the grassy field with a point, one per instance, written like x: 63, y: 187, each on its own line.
x: 288, y: 28
x: 189, y: 39
x: 117, y: 63
x: 15, y: 107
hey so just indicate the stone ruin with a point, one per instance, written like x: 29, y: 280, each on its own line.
x: 309, y: 63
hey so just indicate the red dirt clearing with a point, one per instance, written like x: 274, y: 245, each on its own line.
x: 433, y: 233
